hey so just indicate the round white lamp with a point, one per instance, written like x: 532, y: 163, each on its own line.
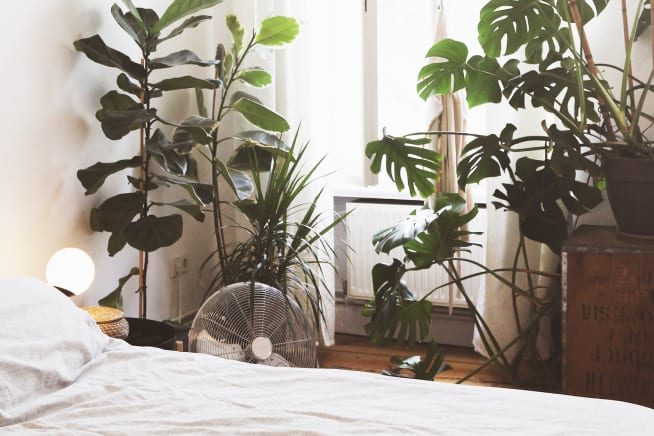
x: 70, y: 269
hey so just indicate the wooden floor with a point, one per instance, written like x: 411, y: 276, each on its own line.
x: 357, y: 353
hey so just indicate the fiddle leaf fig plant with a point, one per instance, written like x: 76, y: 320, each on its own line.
x: 163, y: 156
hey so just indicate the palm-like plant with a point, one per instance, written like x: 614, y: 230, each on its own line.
x: 282, y: 242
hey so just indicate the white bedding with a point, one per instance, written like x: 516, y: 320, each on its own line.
x: 144, y: 391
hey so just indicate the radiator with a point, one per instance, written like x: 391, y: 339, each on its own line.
x: 368, y: 218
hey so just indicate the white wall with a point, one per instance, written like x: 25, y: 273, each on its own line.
x: 50, y: 95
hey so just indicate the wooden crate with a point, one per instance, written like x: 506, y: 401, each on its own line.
x: 608, y: 316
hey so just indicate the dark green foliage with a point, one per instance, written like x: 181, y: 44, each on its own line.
x: 129, y: 217
x: 419, y: 368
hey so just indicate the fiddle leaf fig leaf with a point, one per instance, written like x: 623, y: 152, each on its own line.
x: 189, y: 23
x: 445, y: 76
x: 120, y: 114
x: 93, y: 177
x: 182, y: 57
x: 179, y: 9
x: 127, y: 85
x: 96, y: 50
x: 116, y: 212
x: 186, y: 82
x: 151, y: 232
x: 193, y: 209
x: 255, y: 77
x: 115, y: 298
x: 277, y: 31
x: 164, y: 153
x: 406, y: 159
x: 130, y: 24
x: 261, y: 116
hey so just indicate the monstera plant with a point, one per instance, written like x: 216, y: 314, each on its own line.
x: 537, y: 52
x: 162, y: 158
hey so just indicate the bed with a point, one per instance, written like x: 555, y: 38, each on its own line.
x: 59, y: 375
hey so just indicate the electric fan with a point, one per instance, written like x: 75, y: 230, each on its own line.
x: 254, y: 323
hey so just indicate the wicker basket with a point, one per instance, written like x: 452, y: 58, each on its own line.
x: 111, y: 321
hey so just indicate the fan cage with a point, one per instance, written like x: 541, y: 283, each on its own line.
x: 231, y: 319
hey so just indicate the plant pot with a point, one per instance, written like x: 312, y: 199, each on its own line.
x: 630, y: 189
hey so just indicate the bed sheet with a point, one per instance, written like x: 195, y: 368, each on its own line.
x: 131, y: 390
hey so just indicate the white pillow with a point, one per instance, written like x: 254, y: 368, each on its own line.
x: 45, y: 341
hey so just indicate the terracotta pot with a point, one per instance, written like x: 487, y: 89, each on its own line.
x: 630, y: 189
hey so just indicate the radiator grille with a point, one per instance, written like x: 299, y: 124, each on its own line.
x: 368, y: 218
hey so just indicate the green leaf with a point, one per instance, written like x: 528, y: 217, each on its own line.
x: 239, y: 182
x: 514, y: 23
x: 202, y: 108
x: 96, y: 50
x: 193, y: 209
x: 277, y: 31
x: 120, y: 114
x: 255, y: 77
x: 115, y: 213
x: 115, y: 298
x: 406, y: 230
x: 179, y: 9
x: 260, y: 116
x: 483, y: 75
x: 422, y: 369
x: 165, y: 155
x: 405, y: 159
x: 151, y: 232
x: 93, y: 177
x: 258, y: 145
x: 200, y: 129
x: 182, y: 57
x: 133, y: 26
x: 445, y: 76
x: 237, y: 31
x: 186, y: 82
x: 201, y: 192
x: 395, y: 313
x: 485, y: 157
x: 189, y: 23
x: 127, y: 85
x: 444, y: 236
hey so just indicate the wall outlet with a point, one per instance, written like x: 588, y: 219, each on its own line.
x: 178, y: 266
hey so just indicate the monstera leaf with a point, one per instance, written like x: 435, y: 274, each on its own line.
x: 395, y: 313
x: 484, y: 157
x: 404, y: 231
x: 445, y: 235
x: 407, y: 163
x: 536, y: 198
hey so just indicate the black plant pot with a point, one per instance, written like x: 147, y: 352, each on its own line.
x: 630, y: 189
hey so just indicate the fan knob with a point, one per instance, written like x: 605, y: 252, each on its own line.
x: 261, y: 348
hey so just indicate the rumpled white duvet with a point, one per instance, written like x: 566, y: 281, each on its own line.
x: 60, y: 375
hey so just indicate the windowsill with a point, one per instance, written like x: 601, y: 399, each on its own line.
x: 379, y: 191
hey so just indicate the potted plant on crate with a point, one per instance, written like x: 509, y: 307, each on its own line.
x: 595, y: 127
x: 128, y: 216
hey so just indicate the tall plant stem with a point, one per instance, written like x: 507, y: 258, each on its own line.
x: 585, y: 46
x: 142, y: 184
x: 625, y: 36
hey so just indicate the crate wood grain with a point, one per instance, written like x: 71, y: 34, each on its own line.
x: 608, y: 316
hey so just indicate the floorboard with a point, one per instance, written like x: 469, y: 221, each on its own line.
x: 357, y: 353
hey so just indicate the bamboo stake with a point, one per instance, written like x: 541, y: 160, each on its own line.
x: 585, y: 46
x: 141, y: 187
